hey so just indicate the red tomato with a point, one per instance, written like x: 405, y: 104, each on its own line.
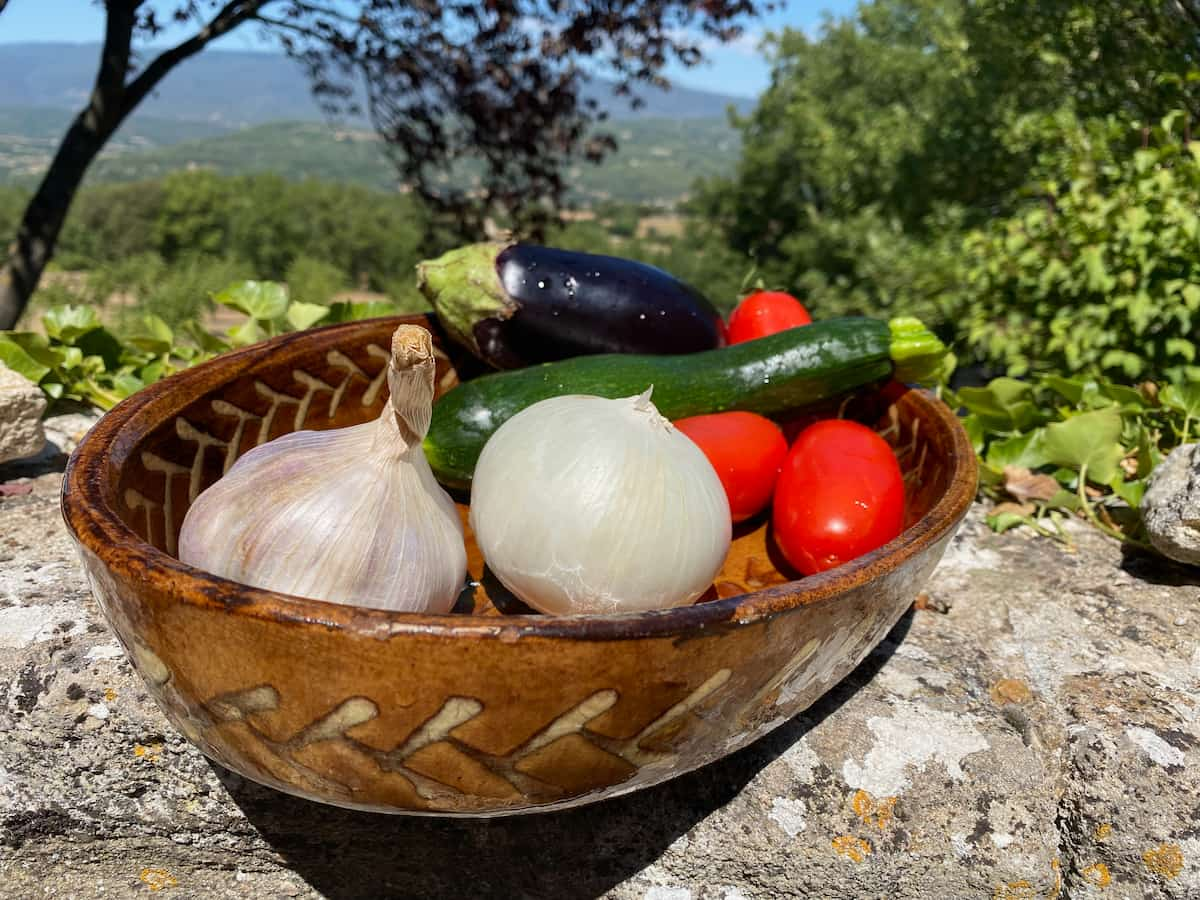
x: 766, y: 312
x: 746, y: 450
x: 840, y: 495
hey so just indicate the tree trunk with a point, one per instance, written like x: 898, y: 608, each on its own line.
x: 45, y: 214
x: 112, y: 100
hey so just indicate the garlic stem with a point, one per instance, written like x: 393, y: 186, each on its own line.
x: 410, y: 376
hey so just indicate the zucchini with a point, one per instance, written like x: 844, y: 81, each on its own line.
x: 779, y: 372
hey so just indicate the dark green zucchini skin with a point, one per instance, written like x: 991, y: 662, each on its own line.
x: 780, y: 372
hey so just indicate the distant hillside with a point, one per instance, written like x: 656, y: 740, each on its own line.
x: 29, y: 137
x: 237, y: 88
x: 657, y: 162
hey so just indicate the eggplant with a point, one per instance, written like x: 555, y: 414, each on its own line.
x: 514, y: 305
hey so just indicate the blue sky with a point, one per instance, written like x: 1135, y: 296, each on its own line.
x: 732, y: 69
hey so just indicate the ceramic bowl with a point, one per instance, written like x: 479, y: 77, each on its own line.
x: 479, y: 712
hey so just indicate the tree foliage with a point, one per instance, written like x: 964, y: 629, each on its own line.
x: 498, y: 81
x: 882, y: 143
x: 1099, y: 270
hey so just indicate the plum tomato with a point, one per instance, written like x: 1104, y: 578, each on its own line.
x: 746, y: 450
x: 763, y: 313
x: 840, y: 495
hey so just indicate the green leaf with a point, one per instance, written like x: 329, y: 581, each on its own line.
x: 1070, y: 388
x: 66, y: 324
x: 989, y: 476
x: 305, y: 315
x: 1183, y: 397
x: 1181, y: 347
x: 354, y: 312
x: 1089, y: 439
x: 1129, y: 399
x: 975, y: 431
x: 248, y: 332
x: 18, y: 358
x: 155, y: 337
x: 126, y: 383
x: 1067, y: 500
x: 203, y: 339
x: 1020, y: 450
x: 1003, y: 521
x: 1005, y: 404
x: 102, y: 343
x: 1098, y: 278
x: 262, y: 300
x: 1129, y: 491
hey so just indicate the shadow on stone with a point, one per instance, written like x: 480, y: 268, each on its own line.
x: 1157, y: 569
x: 575, y: 853
x: 51, y: 458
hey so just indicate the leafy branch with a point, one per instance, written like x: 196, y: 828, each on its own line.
x: 1060, y: 447
x: 79, y: 358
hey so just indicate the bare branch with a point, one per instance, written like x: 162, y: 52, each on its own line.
x: 233, y: 14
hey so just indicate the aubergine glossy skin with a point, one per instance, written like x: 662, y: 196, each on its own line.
x: 543, y: 304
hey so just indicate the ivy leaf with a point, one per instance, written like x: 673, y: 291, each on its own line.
x: 66, y: 324
x: 248, y: 332
x: 975, y: 431
x: 205, y: 340
x: 1005, y: 520
x: 1071, y: 389
x: 1089, y: 439
x: 1006, y: 404
x: 1183, y: 397
x: 1129, y: 399
x: 126, y: 383
x: 155, y: 337
x: 102, y: 343
x: 1129, y: 491
x: 305, y: 315
x: 262, y: 300
x: 354, y: 312
x: 16, y: 354
x: 1025, y: 450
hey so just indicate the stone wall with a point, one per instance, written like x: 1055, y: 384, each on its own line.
x: 1033, y: 730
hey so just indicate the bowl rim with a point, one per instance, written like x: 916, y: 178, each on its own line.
x: 97, y: 528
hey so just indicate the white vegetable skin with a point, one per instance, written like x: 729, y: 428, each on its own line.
x: 583, y: 505
x: 351, y: 515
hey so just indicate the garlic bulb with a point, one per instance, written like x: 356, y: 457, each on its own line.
x: 587, y: 505
x: 350, y: 515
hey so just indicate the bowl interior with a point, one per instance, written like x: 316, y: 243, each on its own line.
x: 180, y: 441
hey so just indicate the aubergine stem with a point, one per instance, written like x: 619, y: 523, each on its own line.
x: 463, y: 286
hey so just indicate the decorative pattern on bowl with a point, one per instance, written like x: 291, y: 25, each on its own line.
x: 474, y: 713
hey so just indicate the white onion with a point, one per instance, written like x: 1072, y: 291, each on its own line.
x: 586, y: 505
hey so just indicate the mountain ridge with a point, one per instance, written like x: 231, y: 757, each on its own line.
x: 213, y: 87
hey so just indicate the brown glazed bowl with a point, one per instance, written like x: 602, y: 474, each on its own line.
x: 476, y: 712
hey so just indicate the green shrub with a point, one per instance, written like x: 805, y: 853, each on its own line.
x: 175, y: 293
x: 404, y: 296
x: 1099, y: 271
x: 314, y: 281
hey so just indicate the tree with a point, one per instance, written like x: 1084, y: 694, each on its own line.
x: 878, y: 144
x: 498, y: 80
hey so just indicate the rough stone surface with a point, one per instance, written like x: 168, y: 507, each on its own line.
x: 1171, y: 505
x: 21, y: 406
x: 1039, y: 738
